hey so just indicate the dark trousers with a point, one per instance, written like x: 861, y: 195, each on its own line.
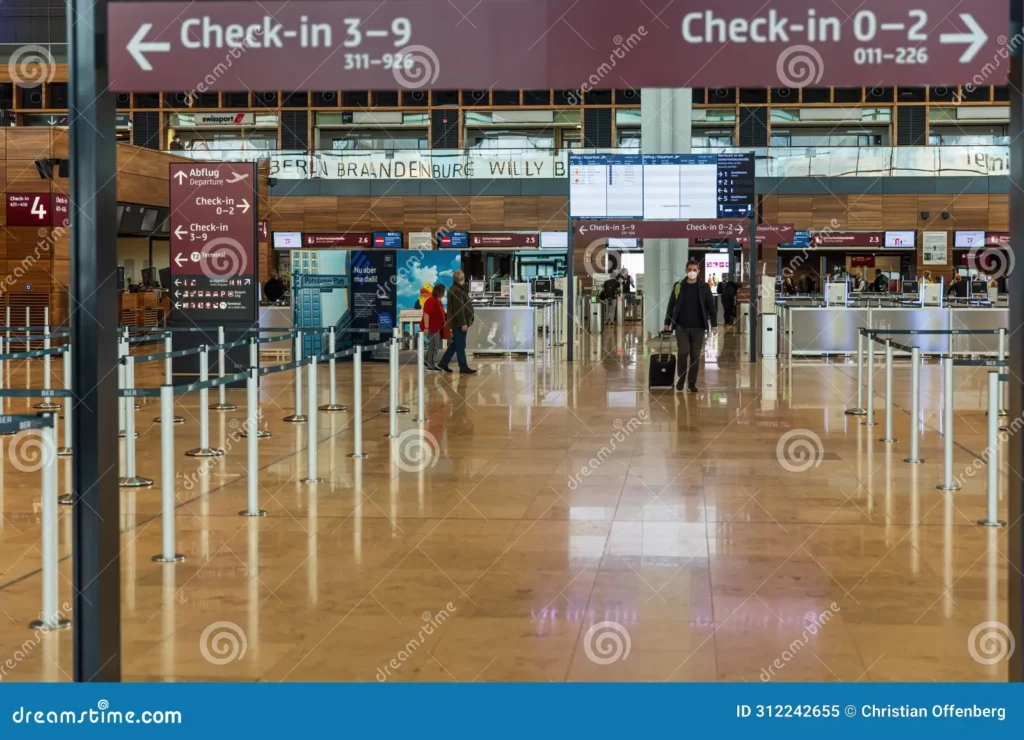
x: 456, y: 347
x: 690, y: 343
x: 729, y: 309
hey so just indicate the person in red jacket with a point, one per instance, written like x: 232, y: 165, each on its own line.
x: 432, y: 325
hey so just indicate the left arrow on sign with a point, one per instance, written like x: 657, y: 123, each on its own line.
x: 137, y: 46
x: 179, y: 261
x: 179, y: 233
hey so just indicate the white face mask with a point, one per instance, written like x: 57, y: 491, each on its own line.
x: 692, y: 274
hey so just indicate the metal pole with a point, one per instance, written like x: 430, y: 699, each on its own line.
x: 28, y: 332
x: 169, y: 373
x: 992, y: 518
x: 752, y: 268
x: 168, y: 489
x: 332, y: 399
x: 122, y: 351
x: 357, y: 403
x: 870, y: 406
x: 397, y: 332
x: 393, y: 392
x: 915, y: 407
x: 46, y: 404
x: 888, y: 393
x: 1002, y: 358
x: 298, y: 417
x: 312, y: 438
x: 222, y: 390
x: 130, y: 479
x: 858, y: 410
x: 50, y: 618
x: 204, y: 449
x: 948, y: 484
x: 252, y: 443
x: 65, y: 449
x: 254, y: 363
x: 421, y: 383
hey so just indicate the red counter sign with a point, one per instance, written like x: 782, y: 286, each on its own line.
x: 29, y: 209
x: 322, y: 241
x: 61, y: 210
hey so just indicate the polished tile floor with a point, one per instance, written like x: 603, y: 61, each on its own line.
x: 549, y: 522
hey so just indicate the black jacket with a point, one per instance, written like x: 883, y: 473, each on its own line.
x: 727, y: 289
x: 709, y: 313
x: 460, y: 307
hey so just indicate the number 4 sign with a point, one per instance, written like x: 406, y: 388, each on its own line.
x: 29, y: 209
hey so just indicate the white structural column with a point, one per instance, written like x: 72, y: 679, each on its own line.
x: 666, y: 126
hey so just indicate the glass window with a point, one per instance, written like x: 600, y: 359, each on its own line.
x: 708, y: 138
x: 968, y: 135
x: 812, y: 136
x: 629, y: 138
x: 387, y: 140
x: 510, y: 139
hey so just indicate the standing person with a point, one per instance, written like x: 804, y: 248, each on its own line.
x: 273, y: 289
x: 691, y: 310
x: 880, y: 283
x: 460, y: 318
x: 727, y: 289
x: 432, y: 325
x: 628, y: 295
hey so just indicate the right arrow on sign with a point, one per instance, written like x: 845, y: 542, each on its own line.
x: 976, y: 38
x: 136, y: 46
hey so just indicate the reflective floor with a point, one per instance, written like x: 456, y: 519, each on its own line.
x: 548, y: 522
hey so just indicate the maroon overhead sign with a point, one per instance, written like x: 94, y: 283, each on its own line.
x: 630, y: 229
x: 543, y: 44
x: 29, y: 209
x: 848, y: 239
x: 213, y: 241
x: 322, y: 241
x: 997, y: 239
x: 510, y: 241
x: 61, y: 210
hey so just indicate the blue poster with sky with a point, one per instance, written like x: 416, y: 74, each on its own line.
x: 418, y: 273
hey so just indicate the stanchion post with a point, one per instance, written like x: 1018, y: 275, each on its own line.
x: 65, y: 449
x: 393, y: 391
x: 1002, y: 386
x: 858, y: 410
x: 50, y: 618
x: 130, y: 479
x: 298, y: 417
x: 397, y: 332
x: 28, y: 332
x: 252, y: 424
x: 169, y: 373
x: 168, y: 491
x: 122, y: 350
x: 888, y: 394
x: 312, y: 438
x: 357, y: 403
x: 204, y: 449
x: 46, y: 404
x: 948, y: 484
x: 915, y: 407
x: 992, y: 479
x: 869, y: 407
x: 222, y: 390
x: 421, y: 382
x: 254, y: 364
x: 332, y: 399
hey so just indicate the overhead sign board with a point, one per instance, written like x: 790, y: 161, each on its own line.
x: 509, y: 241
x: 848, y: 239
x: 452, y: 240
x: 121, y: 120
x: 900, y: 239
x: 387, y: 239
x: 61, y: 210
x: 544, y: 44
x: 326, y: 241
x: 736, y: 230
x: 29, y: 209
x: 213, y: 242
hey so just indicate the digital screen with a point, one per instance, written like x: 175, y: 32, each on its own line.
x: 387, y: 239
x: 911, y: 287
x: 968, y: 239
x: 801, y: 240
x: 452, y: 240
x: 287, y: 240
x: 900, y: 239
x: 477, y: 286
x: 735, y: 185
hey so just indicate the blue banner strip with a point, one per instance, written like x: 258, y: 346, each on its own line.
x: 979, y: 363
x: 35, y: 393
x: 14, y: 423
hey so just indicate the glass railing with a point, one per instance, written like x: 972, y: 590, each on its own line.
x: 515, y: 164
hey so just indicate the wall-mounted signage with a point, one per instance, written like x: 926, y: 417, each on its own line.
x: 327, y: 241
x: 262, y: 228
x: 848, y: 239
x: 968, y: 239
x: 900, y: 239
x: 421, y: 240
x: 632, y: 229
x: 287, y: 240
x: 997, y: 239
x: 61, y: 210
x: 29, y: 209
x: 551, y: 44
x: 224, y: 119
x: 387, y: 239
x: 121, y: 120
x: 934, y: 247
x: 509, y: 241
x: 452, y: 240
x: 213, y: 242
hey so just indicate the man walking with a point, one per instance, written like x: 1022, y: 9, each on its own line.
x: 691, y: 310
x: 460, y: 318
x: 727, y: 289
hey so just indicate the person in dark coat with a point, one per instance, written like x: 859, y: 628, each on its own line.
x: 727, y: 290
x: 691, y: 311
x: 460, y: 318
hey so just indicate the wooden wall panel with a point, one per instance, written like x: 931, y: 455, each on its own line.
x: 770, y: 209
x: 319, y: 213
x: 998, y: 212
x: 970, y: 211
x: 3, y: 245
x: 488, y: 212
x: 28, y: 143
x: 899, y: 211
x: 61, y: 274
x: 387, y: 213
x: 59, y: 143
x: 420, y: 213
x: 796, y: 210
x: 23, y: 274
x: 864, y: 212
x: 25, y: 241
x: 520, y: 212
x: 552, y: 213
x: 60, y: 244
x: 829, y: 212
x: 453, y: 213
x: 933, y: 205
x: 23, y: 177
x: 287, y: 213
x: 353, y: 213
x: 150, y: 191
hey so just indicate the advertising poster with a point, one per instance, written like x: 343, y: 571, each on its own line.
x: 418, y: 272
x: 373, y: 290
x: 934, y: 247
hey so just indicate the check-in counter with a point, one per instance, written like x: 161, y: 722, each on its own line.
x: 834, y: 330
x: 502, y: 330
x: 276, y: 317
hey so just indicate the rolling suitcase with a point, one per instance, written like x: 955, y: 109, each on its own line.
x: 661, y: 369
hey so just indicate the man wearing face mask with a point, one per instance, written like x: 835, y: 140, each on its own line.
x: 691, y: 310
